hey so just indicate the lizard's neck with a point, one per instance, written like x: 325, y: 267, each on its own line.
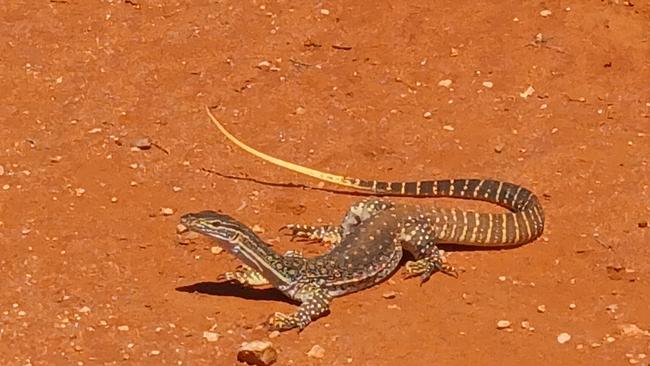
x: 255, y: 253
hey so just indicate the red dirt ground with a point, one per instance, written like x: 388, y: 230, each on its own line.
x: 89, y: 281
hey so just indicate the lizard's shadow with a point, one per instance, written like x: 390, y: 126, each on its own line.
x: 236, y: 290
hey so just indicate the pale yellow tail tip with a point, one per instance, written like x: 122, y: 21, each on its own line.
x: 327, y: 177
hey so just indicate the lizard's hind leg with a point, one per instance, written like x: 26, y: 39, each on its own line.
x: 418, y: 239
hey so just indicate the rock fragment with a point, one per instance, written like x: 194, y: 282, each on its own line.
x: 142, y: 143
x: 445, y: 83
x: 503, y: 324
x: 258, y: 353
x: 211, y: 336
x: 562, y: 338
x: 316, y: 352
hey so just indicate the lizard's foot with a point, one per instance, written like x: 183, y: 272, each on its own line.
x: 282, y: 322
x: 426, y: 267
x: 246, y: 276
x: 324, y: 233
x: 315, y: 303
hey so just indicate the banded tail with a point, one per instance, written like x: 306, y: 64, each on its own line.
x: 523, y: 224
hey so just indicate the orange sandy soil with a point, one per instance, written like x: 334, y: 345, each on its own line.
x: 93, y: 273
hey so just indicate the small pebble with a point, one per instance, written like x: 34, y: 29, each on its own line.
x: 84, y: 310
x: 528, y: 92
x: 453, y: 52
x: 274, y: 334
x: 180, y: 228
x: 166, y: 211
x: 499, y: 148
x: 316, y: 352
x: 2, y: 170
x: 79, y: 191
x: 545, y: 13
x: 427, y: 115
x: 123, y: 328
x: 325, y: 12
x: 258, y: 229
x: 154, y: 352
x: 562, y: 338
x: 389, y: 295
x: 488, y: 84
x: 503, y: 324
x: 632, y: 330
x: 446, y: 83
x: 572, y: 306
x: 259, y: 353
x: 211, y: 336
x: 216, y: 250
x: 541, y: 309
x: 300, y: 110
x: 142, y: 144
x: 448, y: 128
x: 264, y: 64
x: 113, y: 199
x: 176, y: 188
x: 6, y: 187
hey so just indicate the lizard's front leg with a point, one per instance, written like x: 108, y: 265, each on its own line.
x: 249, y: 277
x: 356, y: 214
x: 315, y: 303
x: 328, y: 234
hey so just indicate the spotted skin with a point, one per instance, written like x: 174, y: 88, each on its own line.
x: 368, y: 254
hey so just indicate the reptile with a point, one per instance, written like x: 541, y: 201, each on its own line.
x: 368, y: 245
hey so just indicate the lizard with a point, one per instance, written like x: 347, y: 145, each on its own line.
x: 369, y: 243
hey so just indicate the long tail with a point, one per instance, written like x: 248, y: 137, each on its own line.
x: 524, y: 224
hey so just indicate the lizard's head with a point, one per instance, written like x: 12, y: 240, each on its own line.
x: 215, y: 225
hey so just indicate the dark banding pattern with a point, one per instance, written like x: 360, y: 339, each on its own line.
x: 524, y: 223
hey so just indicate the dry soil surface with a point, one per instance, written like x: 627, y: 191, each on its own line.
x: 551, y: 95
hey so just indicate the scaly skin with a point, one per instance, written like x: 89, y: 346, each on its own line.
x: 367, y: 255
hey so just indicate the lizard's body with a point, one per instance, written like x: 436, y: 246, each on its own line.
x: 369, y: 243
